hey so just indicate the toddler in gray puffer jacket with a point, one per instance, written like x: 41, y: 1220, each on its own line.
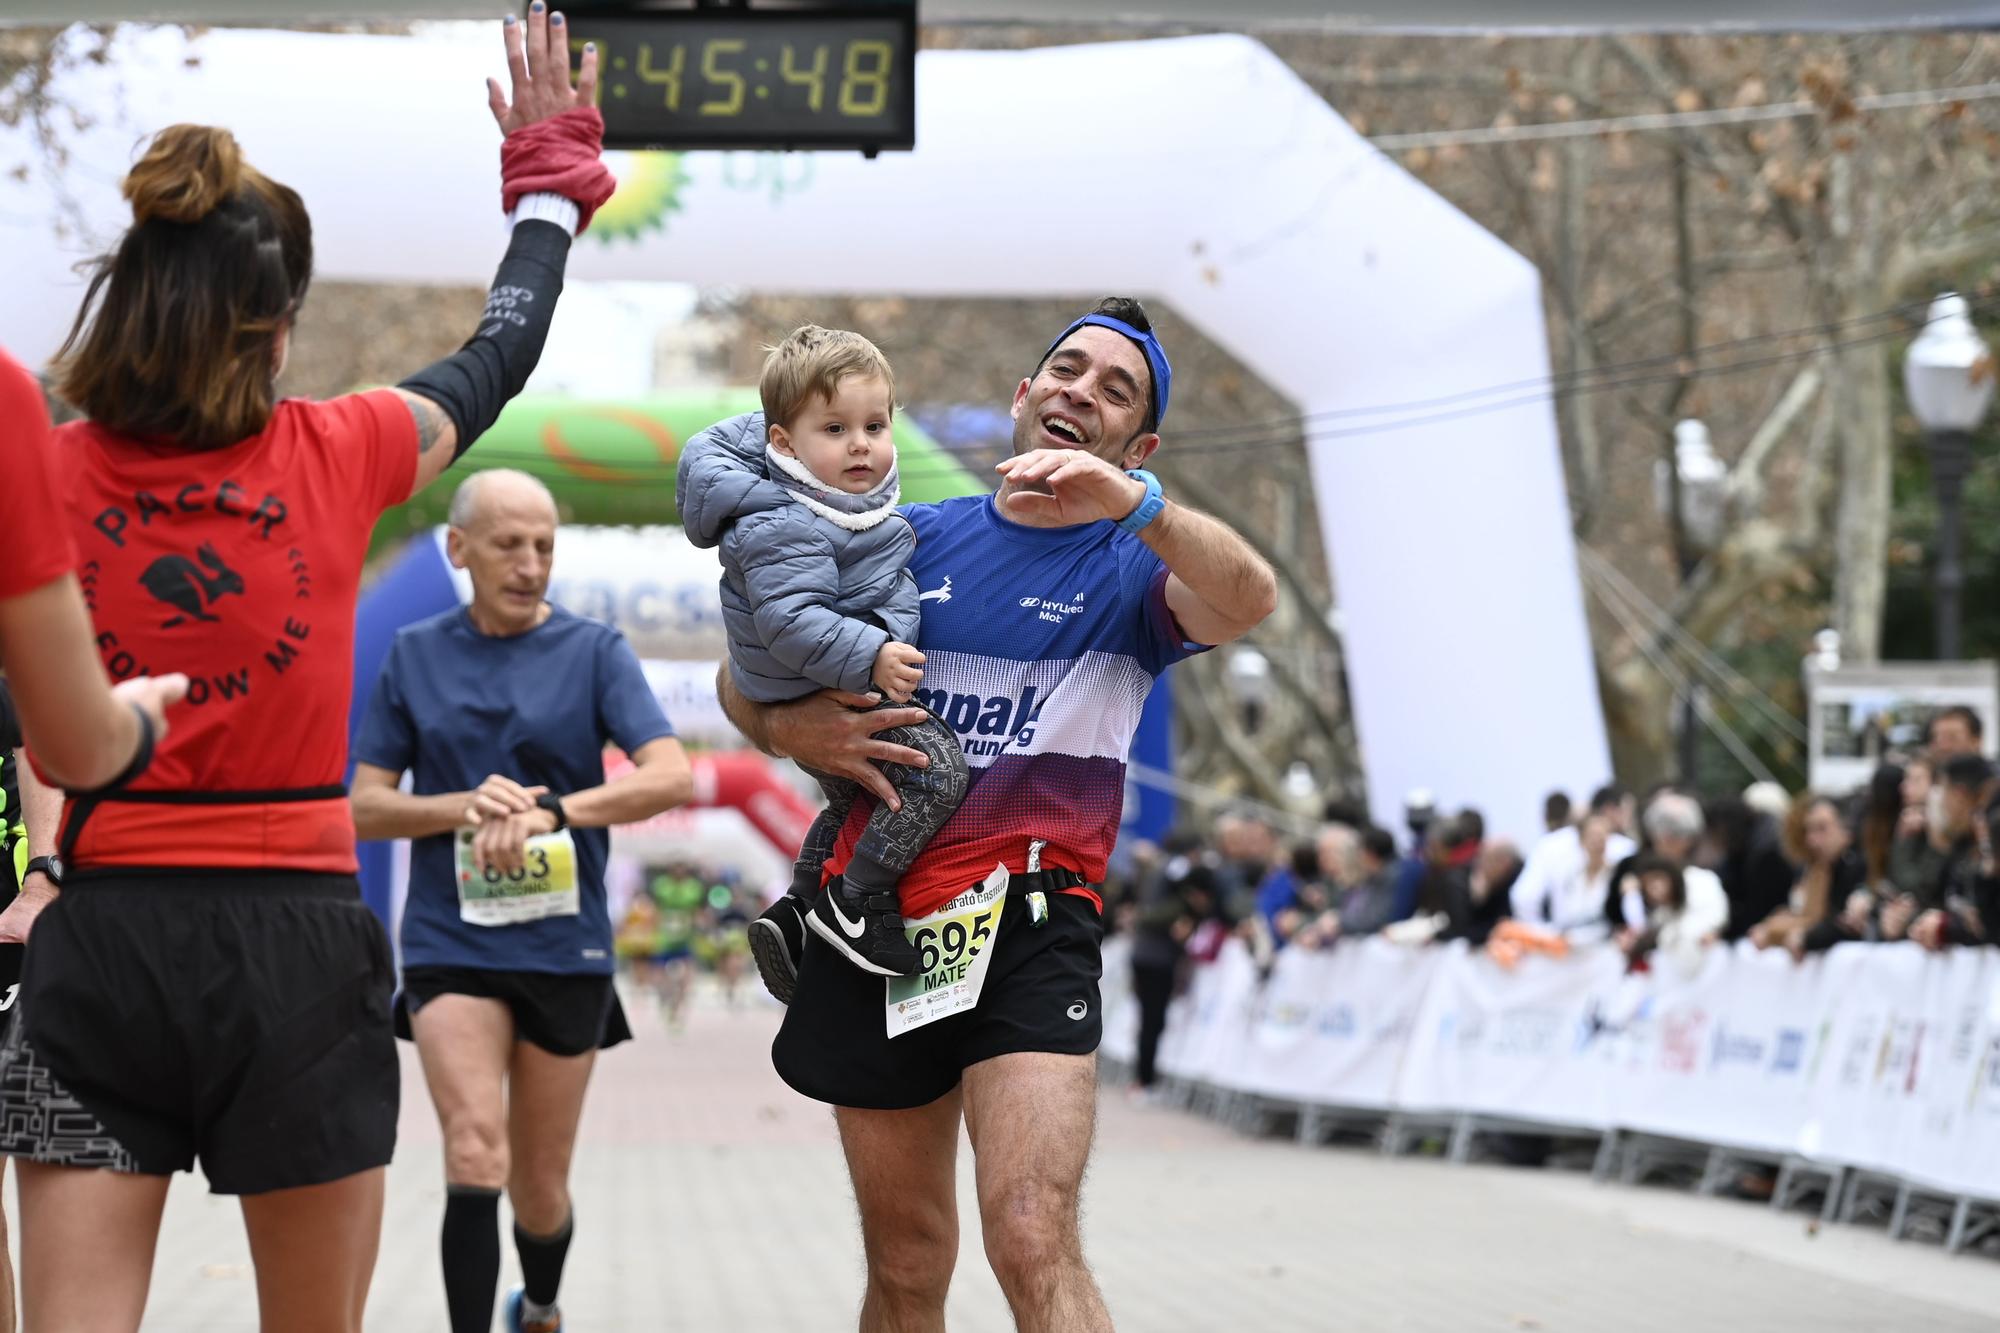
x: 816, y: 594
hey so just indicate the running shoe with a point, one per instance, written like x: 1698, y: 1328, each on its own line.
x: 519, y: 1323
x: 867, y: 927
x: 778, y: 941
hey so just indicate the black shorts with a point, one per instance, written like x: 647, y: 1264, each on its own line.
x: 11, y: 955
x: 1040, y: 995
x: 563, y: 1013
x: 240, y: 1018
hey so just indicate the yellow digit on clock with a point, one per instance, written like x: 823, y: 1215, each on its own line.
x: 814, y: 77
x: 712, y: 70
x: 670, y: 76
x: 876, y: 80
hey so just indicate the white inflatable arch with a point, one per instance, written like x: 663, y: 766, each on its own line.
x: 1197, y: 170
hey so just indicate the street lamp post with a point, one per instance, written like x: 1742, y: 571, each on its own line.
x: 1949, y: 376
x: 1249, y: 675
x: 1696, y: 490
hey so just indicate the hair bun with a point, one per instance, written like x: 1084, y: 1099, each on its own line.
x: 187, y: 173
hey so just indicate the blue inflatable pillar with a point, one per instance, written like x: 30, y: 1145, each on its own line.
x: 417, y: 586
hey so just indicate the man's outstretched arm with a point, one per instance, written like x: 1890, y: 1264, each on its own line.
x: 1219, y: 589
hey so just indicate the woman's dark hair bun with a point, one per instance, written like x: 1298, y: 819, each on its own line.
x: 188, y: 172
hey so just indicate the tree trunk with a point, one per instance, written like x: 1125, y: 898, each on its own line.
x: 1861, y: 543
x: 1861, y: 372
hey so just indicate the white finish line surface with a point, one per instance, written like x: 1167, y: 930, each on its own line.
x: 711, y: 1199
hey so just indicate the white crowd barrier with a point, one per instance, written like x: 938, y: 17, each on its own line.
x: 1880, y: 1057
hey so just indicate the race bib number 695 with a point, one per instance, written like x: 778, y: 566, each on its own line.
x: 952, y: 947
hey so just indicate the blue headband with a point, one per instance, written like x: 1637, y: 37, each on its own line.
x: 1156, y: 358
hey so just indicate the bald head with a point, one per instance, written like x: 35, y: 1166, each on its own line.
x: 499, y: 490
x: 503, y: 534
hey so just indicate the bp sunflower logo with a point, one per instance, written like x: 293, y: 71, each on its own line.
x: 649, y: 188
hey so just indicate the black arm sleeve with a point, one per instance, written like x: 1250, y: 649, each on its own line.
x: 476, y: 381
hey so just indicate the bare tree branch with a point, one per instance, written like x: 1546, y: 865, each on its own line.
x: 1909, y: 264
x: 1746, y: 479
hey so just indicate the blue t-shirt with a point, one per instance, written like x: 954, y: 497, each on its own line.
x: 453, y: 706
x: 1040, y: 647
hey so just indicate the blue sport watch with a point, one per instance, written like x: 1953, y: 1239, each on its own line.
x: 1150, y: 507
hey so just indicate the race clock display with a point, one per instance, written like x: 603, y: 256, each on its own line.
x: 734, y: 77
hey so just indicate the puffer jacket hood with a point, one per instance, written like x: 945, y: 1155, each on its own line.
x: 722, y: 477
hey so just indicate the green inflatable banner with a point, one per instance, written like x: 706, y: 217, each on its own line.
x: 612, y: 462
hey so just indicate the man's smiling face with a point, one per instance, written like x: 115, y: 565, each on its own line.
x: 1093, y: 394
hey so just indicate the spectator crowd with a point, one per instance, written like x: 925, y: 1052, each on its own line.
x: 1909, y: 857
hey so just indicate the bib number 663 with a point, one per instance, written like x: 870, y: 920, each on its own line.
x: 536, y: 866
x: 947, y: 944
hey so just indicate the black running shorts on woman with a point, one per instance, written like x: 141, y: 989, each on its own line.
x: 241, y: 1019
x: 1041, y: 994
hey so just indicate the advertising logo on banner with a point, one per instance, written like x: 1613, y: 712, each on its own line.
x: 1336, y: 1020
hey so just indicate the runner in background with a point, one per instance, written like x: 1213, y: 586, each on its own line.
x: 500, y: 711
x: 209, y: 985
x: 680, y: 896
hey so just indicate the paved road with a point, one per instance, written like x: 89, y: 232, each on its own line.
x: 711, y: 1199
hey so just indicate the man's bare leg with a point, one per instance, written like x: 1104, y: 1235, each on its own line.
x: 1031, y: 1118
x: 904, y: 1168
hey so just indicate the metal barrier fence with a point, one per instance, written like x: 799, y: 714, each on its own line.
x: 1873, y: 1071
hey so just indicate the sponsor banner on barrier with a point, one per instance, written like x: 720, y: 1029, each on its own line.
x: 1214, y: 1014
x: 1978, y: 1137
x: 1512, y: 1043
x: 1875, y: 1056
x: 1722, y: 1056
x: 1861, y: 1086
x: 1340, y: 1019
x: 1121, y: 1012
x: 1942, y: 1128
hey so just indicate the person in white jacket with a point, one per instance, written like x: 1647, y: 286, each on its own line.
x: 1562, y: 886
x: 1686, y: 911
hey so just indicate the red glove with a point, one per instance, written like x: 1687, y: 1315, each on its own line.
x: 559, y: 155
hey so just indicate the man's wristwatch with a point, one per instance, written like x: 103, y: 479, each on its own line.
x: 552, y: 803
x: 48, y: 865
x: 1149, y: 507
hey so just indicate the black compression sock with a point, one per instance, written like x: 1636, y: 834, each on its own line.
x: 542, y: 1260
x: 471, y: 1248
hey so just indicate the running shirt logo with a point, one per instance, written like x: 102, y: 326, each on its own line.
x: 181, y: 583
x: 937, y: 594
x: 987, y: 724
x: 1052, y: 610
x: 124, y: 542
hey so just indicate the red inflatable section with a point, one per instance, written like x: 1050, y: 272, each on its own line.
x: 741, y: 779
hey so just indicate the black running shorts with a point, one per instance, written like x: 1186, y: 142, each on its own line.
x: 563, y: 1013
x: 235, y: 1017
x: 1040, y: 995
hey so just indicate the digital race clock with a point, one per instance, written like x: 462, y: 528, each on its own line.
x: 733, y: 77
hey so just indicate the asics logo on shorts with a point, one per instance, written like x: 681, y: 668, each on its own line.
x: 1078, y: 1010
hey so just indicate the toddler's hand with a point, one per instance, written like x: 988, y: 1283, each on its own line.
x: 898, y: 669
